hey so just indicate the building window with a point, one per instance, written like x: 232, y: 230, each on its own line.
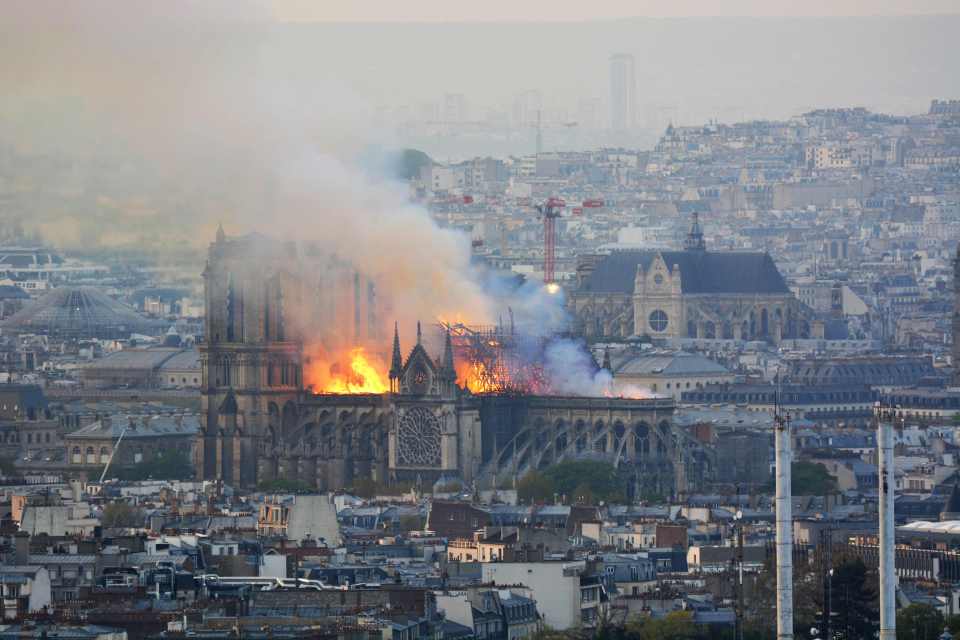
x: 658, y: 320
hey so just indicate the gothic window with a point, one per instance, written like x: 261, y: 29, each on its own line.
x: 231, y: 308
x: 266, y: 316
x: 691, y: 329
x: 658, y: 320
x: 710, y: 330
x: 658, y: 279
x: 418, y: 438
x: 281, y: 329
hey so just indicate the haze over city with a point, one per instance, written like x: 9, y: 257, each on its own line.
x: 499, y: 320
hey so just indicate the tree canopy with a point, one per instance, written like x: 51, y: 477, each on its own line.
x: 282, y: 485
x: 919, y: 622
x: 409, y: 162
x: 584, y: 481
x: 121, y: 514
x: 169, y: 464
x: 811, y: 479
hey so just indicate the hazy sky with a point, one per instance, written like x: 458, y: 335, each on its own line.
x: 551, y: 10
x: 189, y: 110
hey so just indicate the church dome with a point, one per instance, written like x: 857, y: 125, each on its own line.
x: 79, y: 312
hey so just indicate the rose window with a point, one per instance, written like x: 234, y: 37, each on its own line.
x: 418, y: 439
x: 658, y: 320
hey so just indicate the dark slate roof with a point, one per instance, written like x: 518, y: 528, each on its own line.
x: 701, y: 272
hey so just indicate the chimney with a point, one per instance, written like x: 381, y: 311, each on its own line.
x: 76, y: 489
x: 887, y: 529
x: 784, y: 523
x: 21, y: 545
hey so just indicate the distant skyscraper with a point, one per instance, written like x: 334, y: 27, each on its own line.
x: 623, y: 92
x: 454, y: 107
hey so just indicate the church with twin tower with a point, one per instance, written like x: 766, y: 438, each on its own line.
x: 260, y: 423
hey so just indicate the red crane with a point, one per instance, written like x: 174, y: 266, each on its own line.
x: 550, y: 210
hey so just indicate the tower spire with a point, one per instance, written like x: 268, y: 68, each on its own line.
x: 448, y: 371
x: 396, y: 362
x: 694, y: 241
x: 419, y: 334
x: 606, y: 360
x: 221, y: 236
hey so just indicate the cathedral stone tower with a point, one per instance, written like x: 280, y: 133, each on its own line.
x: 251, y: 355
x: 956, y: 318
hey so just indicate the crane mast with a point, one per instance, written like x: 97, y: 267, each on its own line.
x: 550, y: 210
x: 112, y: 453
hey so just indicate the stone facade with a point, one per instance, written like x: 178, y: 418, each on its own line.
x: 259, y: 423
x: 691, y: 293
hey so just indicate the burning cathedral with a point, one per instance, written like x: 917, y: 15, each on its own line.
x: 417, y: 421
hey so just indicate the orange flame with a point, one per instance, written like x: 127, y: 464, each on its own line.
x: 357, y: 373
x: 474, y: 376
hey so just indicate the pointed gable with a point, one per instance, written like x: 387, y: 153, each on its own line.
x: 419, y: 374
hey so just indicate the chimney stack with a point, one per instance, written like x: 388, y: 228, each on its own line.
x: 888, y: 571
x: 784, y: 519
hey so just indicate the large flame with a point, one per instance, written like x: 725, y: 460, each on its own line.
x: 474, y: 376
x: 353, y: 372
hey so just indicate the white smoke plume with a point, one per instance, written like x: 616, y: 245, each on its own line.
x: 172, y: 120
x: 571, y: 370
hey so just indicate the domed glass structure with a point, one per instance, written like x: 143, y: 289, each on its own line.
x: 79, y: 312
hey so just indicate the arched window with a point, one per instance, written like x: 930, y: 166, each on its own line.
x: 104, y: 455
x: 77, y: 456
x: 91, y: 456
x: 710, y: 330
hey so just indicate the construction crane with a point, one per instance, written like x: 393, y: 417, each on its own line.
x: 550, y: 211
x: 112, y: 453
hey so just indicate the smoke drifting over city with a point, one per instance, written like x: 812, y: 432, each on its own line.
x: 521, y: 320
